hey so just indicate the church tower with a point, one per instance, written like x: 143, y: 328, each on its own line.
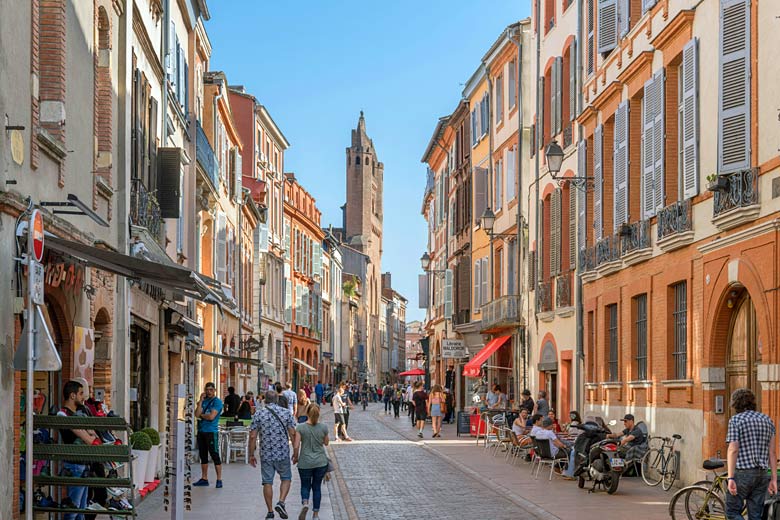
x: 363, y: 229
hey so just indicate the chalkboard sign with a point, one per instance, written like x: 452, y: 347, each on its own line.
x: 464, y: 423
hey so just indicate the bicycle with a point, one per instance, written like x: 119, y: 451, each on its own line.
x: 660, y: 465
x: 704, y: 500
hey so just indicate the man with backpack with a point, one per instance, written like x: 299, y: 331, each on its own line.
x: 387, y: 397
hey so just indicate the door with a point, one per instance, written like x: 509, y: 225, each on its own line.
x: 744, y: 350
x: 140, y: 344
x: 551, y: 386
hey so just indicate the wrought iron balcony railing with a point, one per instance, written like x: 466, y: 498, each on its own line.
x: 544, y: 296
x: 587, y: 260
x: 675, y: 218
x: 635, y: 236
x: 607, y: 250
x: 206, y: 157
x: 741, y: 191
x: 503, y: 311
x: 563, y: 290
x: 461, y: 317
x: 144, y: 209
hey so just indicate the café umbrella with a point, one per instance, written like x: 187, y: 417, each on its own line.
x: 413, y: 372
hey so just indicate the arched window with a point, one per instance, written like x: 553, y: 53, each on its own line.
x: 368, y: 161
x: 357, y: 160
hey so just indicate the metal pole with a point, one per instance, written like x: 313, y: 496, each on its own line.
x: 28, y: 428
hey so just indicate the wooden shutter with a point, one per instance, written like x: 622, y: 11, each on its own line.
x: 480, y: 191
x: 510, y: 174
x: 448, y: 293
x: 590, y: 42
x: 221, y: 247
x: 572, y: 227
x: 511, y: 267
x: 607, y: 26
x: 558, y: 94
x: 168, y: 187
x: 553, y: 98
x: 286, y: 240
x: 648, y: 160
x: 540, y: 115
x: 298, y: 310
x: 690, y: 119
x: 485, y: 280
x: 734, y: 87
x: 659, y: 139
x: 237, y: 168
x: 477, y: 284
x: 152, y: 150
x: 620, y: 201
x: 540, y: 245
x: 624, y: 17
x: 422, y: 291
x: 573, y: 80
x: 531, y: 270
x: 582, y: 171
x: 287, y: 301
x: 512, y: 80
x: 555, y: 232
x: 598, y: 182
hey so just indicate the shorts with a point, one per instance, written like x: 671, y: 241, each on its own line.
x: 268, y: 468
x: 421, y: 414
x: 208, y: 443
x: 339, y: 418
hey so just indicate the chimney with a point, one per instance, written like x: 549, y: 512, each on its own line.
x: 386, y: 281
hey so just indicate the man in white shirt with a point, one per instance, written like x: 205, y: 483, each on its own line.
x: 339, y: 408
x: 409, y: 402
x: 557, y: 448
x: 292, y: 399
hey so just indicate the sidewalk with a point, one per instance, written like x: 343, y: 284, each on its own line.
x: 562, y: 498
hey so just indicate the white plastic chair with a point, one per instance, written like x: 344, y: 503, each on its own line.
x: 238, y: 444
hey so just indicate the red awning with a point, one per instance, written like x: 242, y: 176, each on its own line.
x: 413, y: 372
x: 472, y: 368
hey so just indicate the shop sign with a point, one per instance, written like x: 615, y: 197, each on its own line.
x: 453, y: 348
x: 64, y: 274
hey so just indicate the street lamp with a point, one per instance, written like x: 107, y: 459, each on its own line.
x: 425, y: 261
x: 487, y: 221
x: 554, y: 155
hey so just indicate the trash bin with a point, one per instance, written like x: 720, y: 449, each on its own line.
x: 478, y: 426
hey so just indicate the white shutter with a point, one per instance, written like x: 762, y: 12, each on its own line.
x: 317, y: 259
x: 659, y: 139
x: 499, y: 179
x: 510, y: 174
x: 171, y: 58
x: 286, y: 240
x: 422, y: 291
x: 590, y: 42
x: 624, y: 17
x: 237, y: 167
x: 648, y: 158
x: 734, y: 88
x: 620, y: 201
x: 647, y: 5
x: 477, y: 284
x: 690, y: 119
x: 598, y: 181
x: 306, y: 300
x: 288, y: 301
x: 582, y: 171
x: 608, y: 25
x: 480, y: 192
x: 448, y: 293
x: 262, y: 245
x: 540, y: 257
x: 555, y: 232
x: 485, y: 280
x: 573, y: 80
x: 221, y: 247
x: 298, y: 312
x: 572, y: 227
x: 558, y: 94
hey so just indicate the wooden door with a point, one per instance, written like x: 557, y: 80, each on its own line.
x: 744, y: 353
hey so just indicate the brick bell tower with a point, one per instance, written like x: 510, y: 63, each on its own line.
x: 364, y: 226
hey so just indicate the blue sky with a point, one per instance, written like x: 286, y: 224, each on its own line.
x: 315, y: 64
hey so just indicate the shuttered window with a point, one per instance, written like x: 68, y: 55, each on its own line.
x: 499, y: 95
x: 511, y: 266
x: 555, y: 232
x: 620, y: 199
x: 573, y: 80
x: 485, y: 280
x: 448, y: 293
x: 647, y: 5
x: 598, y: 183
x: 624, y: 17
x: 689, y: 119
x: 554, y: 82
x: 512, y: 83
x: 607, y: 25
x: 572, y: 200
x: 532, y: 270
x: 540, y: 130
x: 582, y: 171
x: 510, y: 174
x: 653, y: 110
x: 474, y: 125
x: 590, y: 59
x: 497, y: 189
x: 734, y: 88
x: 221, y: 247
x: 480, y: 191
x: 287, y: 301
x: 540, y: 246
x: 485, y: 114
x: 477, y: 285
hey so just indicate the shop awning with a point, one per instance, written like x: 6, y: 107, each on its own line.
x: 166, y: 276
x: 472, y: 368
x: 268, y: 370
x: 304, y: 365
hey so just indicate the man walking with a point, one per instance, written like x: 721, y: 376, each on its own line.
x: 292, y: 399
x: 386, y: 397
x: 340, y: 408
x: 319, y: 391
x: 207, y: 412
x: 751, y: 440
x: 420, y: 398
x: 275, y: 425
x: 410, y: 402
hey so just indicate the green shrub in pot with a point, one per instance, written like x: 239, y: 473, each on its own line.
x: 140, y: 441
x: 154, y: 436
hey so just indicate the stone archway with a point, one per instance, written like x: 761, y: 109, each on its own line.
x: 104, y: 342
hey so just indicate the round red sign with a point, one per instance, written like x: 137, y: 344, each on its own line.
x: 36, y: 225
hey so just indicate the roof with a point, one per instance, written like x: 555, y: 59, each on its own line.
x: 474, y: 81
x: 502, y: 38
x: 438, y: 132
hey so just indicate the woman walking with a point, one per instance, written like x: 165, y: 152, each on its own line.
x: 303, y: 405
x: 395, y: 397
x: 436, y: 409
x: 311, y: 437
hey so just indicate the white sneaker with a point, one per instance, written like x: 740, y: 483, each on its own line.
x: 94, y: 506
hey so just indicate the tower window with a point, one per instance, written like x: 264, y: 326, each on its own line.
x: 368, y: 161
x: 357, y: 160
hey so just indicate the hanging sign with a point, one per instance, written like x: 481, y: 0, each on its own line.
x: 453, y: 348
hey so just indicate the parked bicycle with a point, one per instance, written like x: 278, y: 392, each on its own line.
x: 660, y: 465
x: 704, y: 500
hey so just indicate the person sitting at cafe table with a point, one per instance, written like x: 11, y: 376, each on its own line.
x: 500, y: 399
x: 543, y: 430
x: 556, y: 425
x: 521, y: 427
x: 575, y: 423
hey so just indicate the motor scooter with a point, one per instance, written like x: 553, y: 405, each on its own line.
x: 598, y: 459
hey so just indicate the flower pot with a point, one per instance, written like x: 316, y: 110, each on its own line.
x: 151, y: 464
x: 140, y: 460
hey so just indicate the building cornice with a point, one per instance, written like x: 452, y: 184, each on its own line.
x: 741, y: 236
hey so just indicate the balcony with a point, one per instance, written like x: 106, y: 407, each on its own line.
x: 461, y: 317
x: 563, y: 290
x: 737, y: 201
x: 502, y: 312
x: 675, y: 225
x: 635, y: 242
x: 206, y: 157
x: 607, y: 250
x: 544, y: 297
x: 144, y: 209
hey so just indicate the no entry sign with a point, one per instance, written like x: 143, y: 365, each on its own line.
x: 36, y: 228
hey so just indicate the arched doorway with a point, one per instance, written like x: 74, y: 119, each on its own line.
x: 548, y: 371
x: 744, y: 346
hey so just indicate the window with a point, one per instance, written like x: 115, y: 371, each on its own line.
x: 612, y: 342
x: 590, y: 65
x: 680, y: 328
x: 653, y: 112
x: 498, y: 181
x: 485, y: 280
x: 511, y: 269
x: 498, y: 273
x: 512, y: 83
x: 510, y: 173
x: 474, y: 126
x: 549, y: 15
x: 688, y: 120
x: 499, y: 98
x: 484, y: 110
x: 640, y: 331
x: 477, y: 285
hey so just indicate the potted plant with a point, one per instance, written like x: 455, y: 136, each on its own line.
x: 140, y: 444
x: 717, y: 182
x: 154, y: 454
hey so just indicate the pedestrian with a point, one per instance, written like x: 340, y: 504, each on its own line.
x: 275, y: 426
x: 292, y: 399
x: 311, y: 437
x: 339, y: 410
x: 303, y: 404
x: 246, y: 409
x: 449, y: 400
x: 349, y: 405
x: 307, y: 389
x: 281, y: 398
x: 386, y: 397
x: 410, y: 402
x: 542, y: 407
x: 395, y: 398
x: 73, y: 396
x: 527, y: 402
x: 436, y: 409
x: 207, y: 412
x: 420, y: 398
x: 232, y: 402
x: 319, y: 392
x: 751, y: 451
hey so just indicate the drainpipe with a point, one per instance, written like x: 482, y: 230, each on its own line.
x: 167, y: 58
x: 579, y: 361
x: 539, y: 101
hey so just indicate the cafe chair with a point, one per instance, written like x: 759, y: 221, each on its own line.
x: 237, y: 444
x: 543, y: 450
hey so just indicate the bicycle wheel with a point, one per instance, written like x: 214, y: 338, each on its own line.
x: 703, y: 504
x: 677, y: 509
x: 652, y: 464
x: 670, y: 472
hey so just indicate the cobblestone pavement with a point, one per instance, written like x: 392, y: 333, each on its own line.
x: 385, y: 475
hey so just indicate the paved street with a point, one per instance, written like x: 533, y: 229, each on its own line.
x: 386, y: 473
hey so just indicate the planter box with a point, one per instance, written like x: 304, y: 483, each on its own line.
x: 140, y: 460
x: 151, y: 464
x: 718, y: 184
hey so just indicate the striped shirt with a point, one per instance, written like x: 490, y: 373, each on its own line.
x: 753, y: 431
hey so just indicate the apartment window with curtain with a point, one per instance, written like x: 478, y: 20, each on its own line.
x: 680, y: 330
x: 640, y: 336
x: 612, y: 342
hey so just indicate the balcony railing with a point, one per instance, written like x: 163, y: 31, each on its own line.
x: 742, y: 190
x: 206, y: 157
x: 144, y: 208
x: 587, y: 260
x: 607, y: 250
x: 635, y: 236
x: 567, y: 136
x: 544, y: 296
x: 563, y: 290
x: 461, y: 317
x: 503, y: 311
x: 675, y: 218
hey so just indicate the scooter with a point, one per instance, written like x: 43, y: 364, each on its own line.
x: 598, y: 459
